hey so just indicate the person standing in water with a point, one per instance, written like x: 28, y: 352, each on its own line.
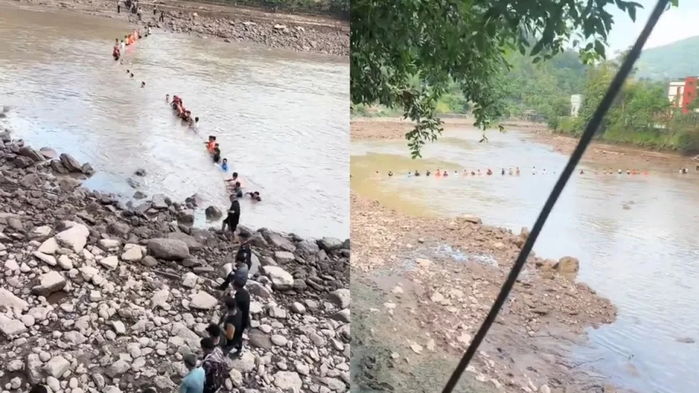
x: 224, y: 165
x: 216, y: 154
x: 233, y: 216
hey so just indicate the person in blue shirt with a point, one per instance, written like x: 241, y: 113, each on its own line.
x: 193, y: 382
x: 224, y: 165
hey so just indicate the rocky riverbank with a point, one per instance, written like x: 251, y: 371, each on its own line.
x: 98, y: 295
x: 434, y: 280
x: 232, y: 24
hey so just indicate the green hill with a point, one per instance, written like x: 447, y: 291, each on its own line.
x: 672, y: 61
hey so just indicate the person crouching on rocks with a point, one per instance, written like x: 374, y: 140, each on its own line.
x: 216, y: 335
x: 243, y: 263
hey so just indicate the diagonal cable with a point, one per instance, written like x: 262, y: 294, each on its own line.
x: 591, y: 129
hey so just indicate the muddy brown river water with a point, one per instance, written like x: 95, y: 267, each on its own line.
x: 636, y: 238
x: 281, y: 118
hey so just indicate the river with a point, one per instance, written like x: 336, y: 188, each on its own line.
x: 280, y: 117
x: 635, y: 235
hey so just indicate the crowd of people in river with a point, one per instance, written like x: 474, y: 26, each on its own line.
x: 129, y: 39
x: 517, y: 172
x: 212, y: 146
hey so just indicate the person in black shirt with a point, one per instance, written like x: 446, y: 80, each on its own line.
x: 236, y: 320
x: 216, y: 154
x: 243, y: 264
x: 233, y: 215
x: 216, y: 335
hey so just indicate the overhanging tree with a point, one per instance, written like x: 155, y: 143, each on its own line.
x: 404, y: 53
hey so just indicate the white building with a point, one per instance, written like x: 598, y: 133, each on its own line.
x: 575, y: 104
x: 675, y: 92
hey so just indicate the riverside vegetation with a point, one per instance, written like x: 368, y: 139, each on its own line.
x: 100, y: 295
x: 540, y: 92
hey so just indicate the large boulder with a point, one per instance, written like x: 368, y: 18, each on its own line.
x: 160, y: 202
x: 245, y: 363
x: 567, y: 265
x: 57, y: 366
x: 281, y: 279
x: 168, y: 249
x: 203, y: 301
x: 259, y: 290
x: 49, y: 246
x: 279, y: 241
x: 87, y: 169
x: 132, y: 252
x: 119, y: 228
x: 70, y: 163
x: 74, y: 237
x: 30, y: 180
x: 213, y: 213
x: 192, y: 243
x: 11, y: 327
x: 22, y: 162
x: 330, y: 244
x: 307, y: 247
x: 49, y: 283
x: 185, y: 218
x: 11, y: 302
x: 288, y: 381
x: 48, y: 153
x: 341, y: 298
x: 58, y: 167
x: 30, y: 152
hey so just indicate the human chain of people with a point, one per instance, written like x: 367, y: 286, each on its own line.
x: 233, y: 184
x: 516, y: 171
x: 224, y: 338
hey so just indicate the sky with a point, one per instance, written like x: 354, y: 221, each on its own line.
x: 676, y: 24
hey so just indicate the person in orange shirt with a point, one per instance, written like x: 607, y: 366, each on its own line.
x: 211, y: 144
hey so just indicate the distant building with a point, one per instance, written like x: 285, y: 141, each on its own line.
x: 575, y: 104
x: 683, y: 93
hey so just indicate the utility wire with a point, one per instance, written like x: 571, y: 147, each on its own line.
x: 591, y: 129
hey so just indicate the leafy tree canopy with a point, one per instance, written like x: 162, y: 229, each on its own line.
x: 405, y: 53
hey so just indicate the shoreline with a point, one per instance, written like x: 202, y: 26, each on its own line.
x: 297, y: 32
x: 454, y: 268
x: 393, y: 129
x: 442, y: 282
x: 129, y: 290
